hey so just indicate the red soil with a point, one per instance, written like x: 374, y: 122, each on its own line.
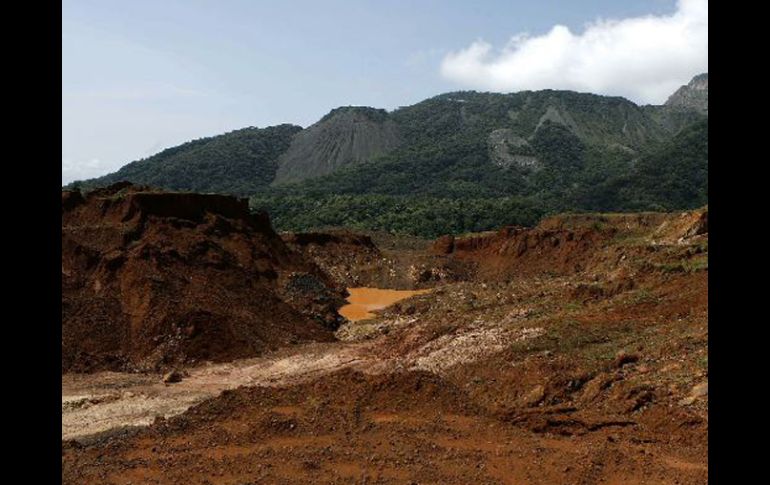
x: 152, y: 279
x: 610, y: 384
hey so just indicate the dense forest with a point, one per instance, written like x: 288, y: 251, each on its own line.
x: 457, y: 162
x: 466, y: 194
x: 241, y: 162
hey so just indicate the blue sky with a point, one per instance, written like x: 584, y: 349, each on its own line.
x: 139, y: 76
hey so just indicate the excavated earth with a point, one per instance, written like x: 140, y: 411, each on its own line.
x: 154, y: 279
x: 377, y: 259
x: 575, y: 352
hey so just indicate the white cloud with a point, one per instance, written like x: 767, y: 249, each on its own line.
x: 643, y: 58
x: 80, y: 170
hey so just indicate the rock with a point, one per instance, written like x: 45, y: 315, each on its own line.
x: 700, y: 226
x: 700, y: 390
x: 697, y: 391
x: 172, y: 377
x: 694, y: 95
x: 534, y: 397
x: 622, y: 358
x: 594, y: 387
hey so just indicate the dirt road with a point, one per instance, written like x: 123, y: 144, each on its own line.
x: 106, y: 402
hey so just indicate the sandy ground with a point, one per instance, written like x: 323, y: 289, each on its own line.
x: 94, y: 404
x: 105, y: 402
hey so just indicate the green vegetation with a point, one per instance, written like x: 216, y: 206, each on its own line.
x: 592, y: 153
x: 455, y: 189
x: 673, y: 175
x: 417, y: 215
x: 241, y: 162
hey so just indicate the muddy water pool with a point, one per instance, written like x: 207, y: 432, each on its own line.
x: 363, y: 301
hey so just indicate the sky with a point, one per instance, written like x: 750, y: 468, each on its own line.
x: 141, y: 76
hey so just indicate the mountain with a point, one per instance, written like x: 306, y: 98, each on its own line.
x: 508, y: 158
x: 674, y: 174
x: 444, y: 193
x: 241, y: 162
x: 346, y: 136
x: 694, y: 95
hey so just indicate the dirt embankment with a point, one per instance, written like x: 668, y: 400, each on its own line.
x: 152, y: 279
x: 377, y: 260
x: 569, y: 244
x: 351, y: 259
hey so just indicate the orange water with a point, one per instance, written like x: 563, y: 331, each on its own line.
x: 363, y: 301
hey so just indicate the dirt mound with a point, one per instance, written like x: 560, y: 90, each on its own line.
x: 591, y: 367
x: 347, y: 390
x: 151, y: 279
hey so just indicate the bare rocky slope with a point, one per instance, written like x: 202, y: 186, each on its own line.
x: 693, y: 95
x: 151, y: 279
x: 346, y: 136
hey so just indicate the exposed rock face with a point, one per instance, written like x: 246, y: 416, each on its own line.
x: 694, y: 95
x: 345, y: 136
x: 506, y: 150
x: 687, y: 226
x: 560, y: 117
x: 152, y: 279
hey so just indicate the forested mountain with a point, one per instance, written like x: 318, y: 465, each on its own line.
x: 241, y: 162
x: 461, y: 161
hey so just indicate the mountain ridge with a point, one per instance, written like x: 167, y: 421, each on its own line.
x: 553, y: 105
x: 541, y: 151
x: 692, y: 95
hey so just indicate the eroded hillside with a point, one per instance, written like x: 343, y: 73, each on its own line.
x: 151, y: 279
x: 572, y: 352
